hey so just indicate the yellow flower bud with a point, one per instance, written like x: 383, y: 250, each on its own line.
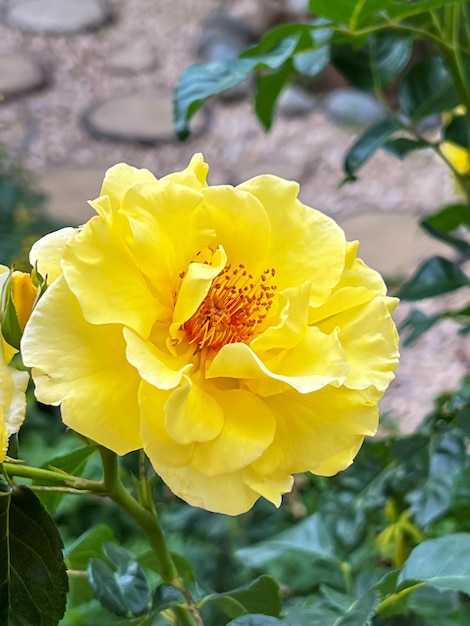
x: 24, y: 295
x: 18, y: 297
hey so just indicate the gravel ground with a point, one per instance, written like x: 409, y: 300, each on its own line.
x: 44, y: 128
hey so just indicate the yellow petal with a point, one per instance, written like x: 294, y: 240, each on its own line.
x: 358, y: 285
x: 292, y: 323
x: 248, y: 429
x: 193, y: 176
x: 158, y: 445
x: 270, y: 487
x: 316, y: 361
x: 167, y: 228
x: 370, y: 340
x: 192, y: 415
x: 241, y: 223
x: 85, y: 368
x: 222, y: 494
x: 13, y: 385
x: 48, y: 252
x: 118, y: 180
x: 303, y: 241
x: 317, y: 432
x: 195, y: 286
x: 159, y: 369
x: 101, y: 273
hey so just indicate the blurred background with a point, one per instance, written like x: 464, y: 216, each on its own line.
x: 89, y: 83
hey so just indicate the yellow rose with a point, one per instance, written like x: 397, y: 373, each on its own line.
x: 13, y: 385
x: 230, y: 332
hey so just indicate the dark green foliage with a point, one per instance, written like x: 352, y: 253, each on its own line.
x: 33, y: 579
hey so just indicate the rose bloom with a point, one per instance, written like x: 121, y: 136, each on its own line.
x: 230, y: 332
x: 13, y: 382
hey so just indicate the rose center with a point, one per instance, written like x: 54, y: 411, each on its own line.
x: 234, y: 309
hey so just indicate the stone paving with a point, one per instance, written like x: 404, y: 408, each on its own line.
x: 89, y: 82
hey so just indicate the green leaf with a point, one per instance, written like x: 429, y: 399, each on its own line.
x: 402, y: 146
x: 354, y: 13
x: 380, y: 60
x: 199, y: 82
x: 333, y: 609
x: 360, y: 612
x: 402, y: 10
x: 447, y: 459
x: 267, y: 93
x: 123, y: 589
x: 259, y: 596
x: 364, y: 147
x: 255, y: 620
x: 87, y: 546
x: 33, y: 578
x: 184, y: 567
x: 443, y: 563
x: 312, y: 62
x: 72, y: 463
x: 302, y: 557
x: 434, y: 277
x: 427, y: 89
x: 448, y: 219
x: 166, y: 596
x: 77, y: 557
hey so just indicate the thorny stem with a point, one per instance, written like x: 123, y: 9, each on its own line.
x: 148, y: 522
x: 142, y: 513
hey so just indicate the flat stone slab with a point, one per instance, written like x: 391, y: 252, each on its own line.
x: 57, y: 16
x: 68, y: 189
x: 19, y: 73
x: 140, y: 118
x: 391, y: 243
x: 137, y: 56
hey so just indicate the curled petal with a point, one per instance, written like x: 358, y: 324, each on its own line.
x: 318, y: 432
x: 193, y: 415
x: 228, y: 493
x: 319, y: 241
x: 241, y: 223
x: 117, y: 181
x: 96, y: 387
x: 316, y: 361
x: 370, y: 340
x: 193, y: 176
x: 48, y: 252
x: 156, y: 367
x: 13, y: 385
x: 248, y: 429
x: 195, y: 286
x: 100, y: 271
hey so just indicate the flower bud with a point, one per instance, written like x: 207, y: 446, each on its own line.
x: 18, y: 297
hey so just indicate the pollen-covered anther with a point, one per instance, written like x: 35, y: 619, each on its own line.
x: 234, y: 309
